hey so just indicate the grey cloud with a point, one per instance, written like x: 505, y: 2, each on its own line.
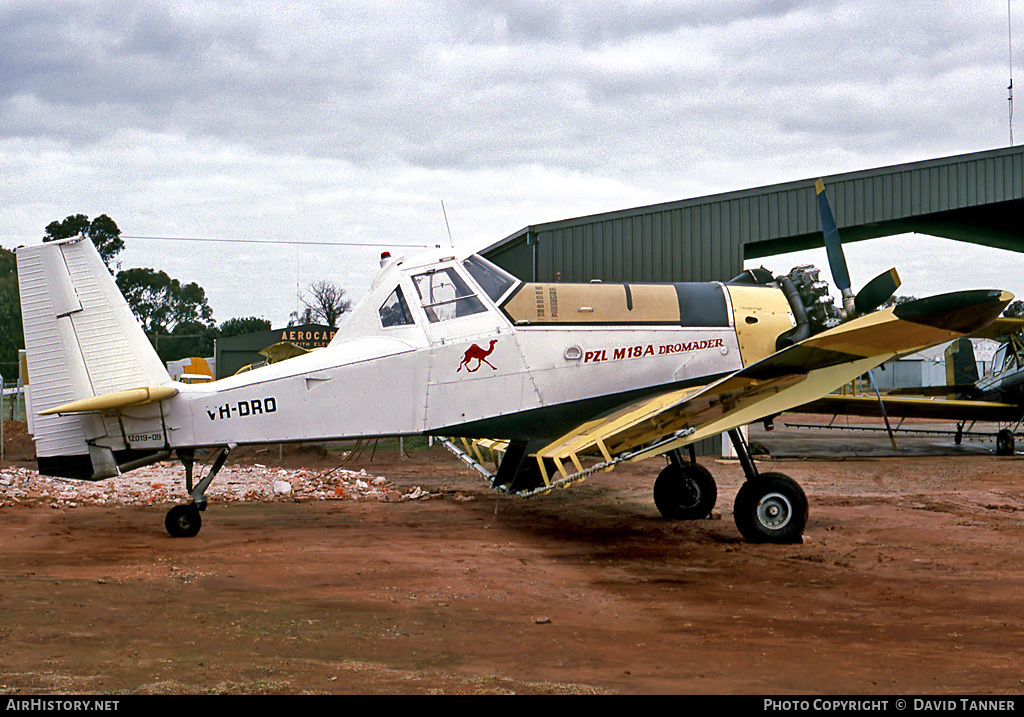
x: 593, y: 87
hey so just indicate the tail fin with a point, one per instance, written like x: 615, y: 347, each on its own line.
x: 81, y: 341
x: 961, y: 365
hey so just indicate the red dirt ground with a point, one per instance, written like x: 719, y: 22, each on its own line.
x: 908, y: 582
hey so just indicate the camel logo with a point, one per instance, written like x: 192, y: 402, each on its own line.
x: 475, y: 352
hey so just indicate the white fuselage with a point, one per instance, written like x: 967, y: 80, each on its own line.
x: 437, y: 374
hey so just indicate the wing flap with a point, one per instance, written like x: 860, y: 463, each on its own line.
x: 596, y: 433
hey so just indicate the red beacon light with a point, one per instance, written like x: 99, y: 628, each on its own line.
x: 384, y: 257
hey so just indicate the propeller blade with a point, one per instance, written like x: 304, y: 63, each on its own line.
x: 833, y: 244
x: 877, y: 291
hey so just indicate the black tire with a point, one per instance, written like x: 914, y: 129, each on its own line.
x: 685, y: 492
x: 1004, y: 443
x: 771, y: 509
x: 183, y: 521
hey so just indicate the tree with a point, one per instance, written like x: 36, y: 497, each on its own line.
x: 326, y: 303
x: 1015, y: 309
x: 241, y: 327
x: 176, y: 316
x: 11, y: 334
x: 102, y: 231
x: 896, y: 301
x: 188, y: 338
x: 162, y: 303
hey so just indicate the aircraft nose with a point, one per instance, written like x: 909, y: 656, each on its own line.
x: 960, y: 311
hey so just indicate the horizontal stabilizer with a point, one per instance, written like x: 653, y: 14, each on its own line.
x: 115, y: 400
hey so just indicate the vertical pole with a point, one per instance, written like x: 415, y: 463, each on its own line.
x: 2, y: 419
x: 1009, y: 42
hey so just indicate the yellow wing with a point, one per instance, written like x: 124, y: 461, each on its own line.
x: 906, y: 407
x: 788, y: 378
x: 999, y: 328
x: 282, y: 351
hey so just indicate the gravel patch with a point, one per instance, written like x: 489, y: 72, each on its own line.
x: 165, y: 483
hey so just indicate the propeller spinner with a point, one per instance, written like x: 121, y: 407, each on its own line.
x: 876, y: 291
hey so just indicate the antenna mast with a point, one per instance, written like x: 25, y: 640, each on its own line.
x: 1009, y: 39
x: 452, y: 241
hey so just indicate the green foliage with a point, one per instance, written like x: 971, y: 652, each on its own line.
x: 240, y: 327
x: 11, y: 336
x: 1015, y: 309
x: 188, y: 338
x: 102, y: 231
x: 162, y: 303
x: 175, y: 316
x: 897, y: 300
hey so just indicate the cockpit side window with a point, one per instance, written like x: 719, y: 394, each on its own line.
x: 445, y: 295
x: 494, y: 280
x: 394, y: 311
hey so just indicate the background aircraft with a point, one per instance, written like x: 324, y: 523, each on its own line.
x: 573, y: 377
x: 997, y: 397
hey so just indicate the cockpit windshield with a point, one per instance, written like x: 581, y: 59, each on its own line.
x: 446, y: 295
x: 494, y: 280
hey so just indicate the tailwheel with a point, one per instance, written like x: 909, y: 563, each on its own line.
x: 771, y: 508
x: 685, y: 491
x: 183, y: 521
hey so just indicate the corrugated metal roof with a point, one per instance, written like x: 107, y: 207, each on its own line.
x: 975, y: 197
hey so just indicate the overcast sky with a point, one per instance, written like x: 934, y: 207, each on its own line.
x: 350, y: 123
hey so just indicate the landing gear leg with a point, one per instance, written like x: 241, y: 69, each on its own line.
x: 685, y: 490
x: 769, y: 507
x: 184, y: 521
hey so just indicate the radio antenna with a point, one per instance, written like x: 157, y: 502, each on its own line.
x: 1009, y: 38
x: 443, y: 211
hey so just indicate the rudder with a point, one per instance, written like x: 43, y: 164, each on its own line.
x: 82, y: 340
x: 961, y: 365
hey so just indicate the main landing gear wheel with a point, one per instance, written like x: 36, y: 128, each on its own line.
x: 1004, y: 442
x: 183, y: 521
x: 771, y: 508
x: 685, y: 491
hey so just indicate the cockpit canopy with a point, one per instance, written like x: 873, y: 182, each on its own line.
x: 444, y: 292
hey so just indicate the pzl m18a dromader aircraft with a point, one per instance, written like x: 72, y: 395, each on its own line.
x: 572, y: 378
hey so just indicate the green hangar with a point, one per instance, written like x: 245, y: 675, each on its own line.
x: 975, y: 197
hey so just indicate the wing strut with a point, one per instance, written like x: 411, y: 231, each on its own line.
x: 885, y: 416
